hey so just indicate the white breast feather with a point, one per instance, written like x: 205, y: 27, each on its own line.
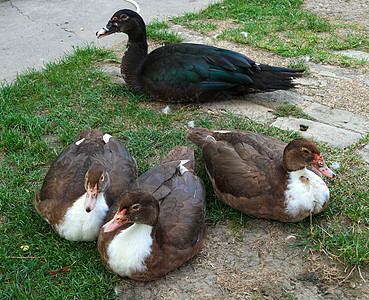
x: 308, y: 197
x: 78, y: 225
x: 129, y: 249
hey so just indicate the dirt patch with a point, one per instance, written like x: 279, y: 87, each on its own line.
x: 258, y: 262
x: 354, y: 12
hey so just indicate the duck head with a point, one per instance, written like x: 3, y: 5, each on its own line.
x: 137, y: 207
x: 125, y: 20
x: 300, y: 153
x: 96, y: 181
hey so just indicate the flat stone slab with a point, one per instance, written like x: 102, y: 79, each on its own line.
x: 365, y: 153
x: 331, y: 135
x: 251, y: 110
x: 280, y: 98
x: 338, y: 117
x: 354, y: 54
x: 332, y: 71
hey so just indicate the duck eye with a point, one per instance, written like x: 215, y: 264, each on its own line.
x: 306, y: 150
x: 124, y: 17
x: 135, y: 207
x: 102, y: 178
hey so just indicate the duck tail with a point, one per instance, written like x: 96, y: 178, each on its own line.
x: 181, y: 153
x: 271, y: 78
x: 198, y: 136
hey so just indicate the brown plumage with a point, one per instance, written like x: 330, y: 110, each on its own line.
x: 260, y: 176
x: 159, y: 223
x: 90, y: 166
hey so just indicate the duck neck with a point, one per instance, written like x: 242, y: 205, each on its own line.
x: 134, y: 57
x: 290, y: 164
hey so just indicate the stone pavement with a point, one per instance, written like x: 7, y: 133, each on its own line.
x: 34, y: 32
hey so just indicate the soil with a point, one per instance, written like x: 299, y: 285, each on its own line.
x: 262, y: 260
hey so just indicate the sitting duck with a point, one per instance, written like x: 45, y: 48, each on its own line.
x: 186, y: 72
x: 82, y: 183
x: 263, y: 176
x: 158, y: 224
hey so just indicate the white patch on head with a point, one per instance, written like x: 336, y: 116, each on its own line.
x: 181, y: 166
x: 101, y: 31
x: 106, y: 138
x: 222, y: 131
x: 79, y: 225
x: 80, y: 141
x: 305, y: 194
x: 128, y: 250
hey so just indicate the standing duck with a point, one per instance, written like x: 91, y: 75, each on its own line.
x: 82, y: 183
x: 185, y: 72
x: 262, y: 176
x: 158, y: 224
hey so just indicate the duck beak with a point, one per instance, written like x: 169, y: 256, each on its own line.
x: 91, y: 198
x: 118, y: 220
x: 110, y: 28
x: 321, y: 166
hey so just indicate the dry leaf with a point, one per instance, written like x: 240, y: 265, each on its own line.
x: 62, y: 270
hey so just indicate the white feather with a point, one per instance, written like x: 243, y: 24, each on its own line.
x: 129, y: 249
x: 309, y: 195
x: 80, y: 141
x: 181, y: 166
x: 106, y: 138
x: 222, y: 131
x: 78, y: 225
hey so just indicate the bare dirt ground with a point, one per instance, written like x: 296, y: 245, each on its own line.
x: 259, y: 261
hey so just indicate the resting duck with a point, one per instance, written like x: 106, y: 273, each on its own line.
x: 82, y: 183
x: 159, y: 223
x: 262, y: 176
x: 185, y: 72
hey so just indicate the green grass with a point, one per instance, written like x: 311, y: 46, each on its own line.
x: 280, y: 26
x: 158, y: 31
x: 42, y: 112
x: 291, y: 110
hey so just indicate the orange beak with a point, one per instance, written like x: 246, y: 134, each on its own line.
x: 320, y: 165
x: 91, y: 198
x: 118, y: 220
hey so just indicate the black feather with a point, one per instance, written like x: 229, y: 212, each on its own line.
x: 188, y: 72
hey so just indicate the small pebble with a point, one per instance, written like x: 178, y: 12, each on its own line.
x: 244, y: 34
x: 304, y: 127
x: 191, y: 124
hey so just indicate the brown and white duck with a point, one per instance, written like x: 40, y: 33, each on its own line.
x: 82, y: 183
x: 263, y: 176
x: 159, y: 223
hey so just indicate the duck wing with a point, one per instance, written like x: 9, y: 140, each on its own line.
x: 189, y: 70
x: 121, y: 166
